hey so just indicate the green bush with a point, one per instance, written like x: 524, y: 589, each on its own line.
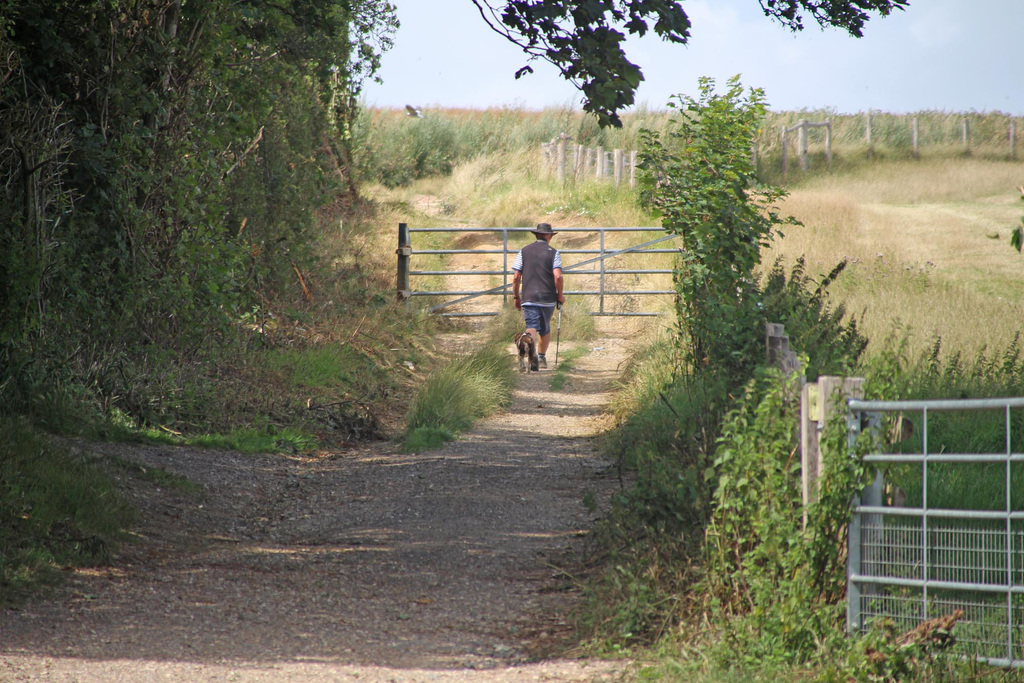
x: 826, y: 334
x: 701, y: 180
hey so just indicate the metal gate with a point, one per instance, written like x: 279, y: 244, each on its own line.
x: 604, y: 293
x: 953, y: 538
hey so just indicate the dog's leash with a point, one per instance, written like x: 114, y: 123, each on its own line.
x: 558, y: 336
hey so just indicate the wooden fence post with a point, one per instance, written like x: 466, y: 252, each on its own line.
x: 632, y: 168
x: 828, y: 142
x: 784, y: 143
x: 404, y: 251
x: 777, y: 351
x: 966, y: 135
x: 599, y: 171
x: 818, y: 404
x: 802, y: 143
x: 561, y: 161
x: 617, y: 166
x: 867, y: 129
x: 914, y: 139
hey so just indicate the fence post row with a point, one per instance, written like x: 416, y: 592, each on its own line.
x: 584, y: 158
x: 801, y: 128
x: 621, y: 166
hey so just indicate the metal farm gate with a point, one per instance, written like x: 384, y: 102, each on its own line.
x: 604, y: 274
x: 952, y: 537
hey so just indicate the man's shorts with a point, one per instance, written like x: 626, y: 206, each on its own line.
x: 538, y: 318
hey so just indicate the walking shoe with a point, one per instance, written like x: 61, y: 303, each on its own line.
x: 542, y: 361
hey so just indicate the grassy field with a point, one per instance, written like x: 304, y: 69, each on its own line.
x: 927, y: 243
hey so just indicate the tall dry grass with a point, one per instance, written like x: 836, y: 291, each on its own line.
x: 927, y: 246
x: 395, y: 149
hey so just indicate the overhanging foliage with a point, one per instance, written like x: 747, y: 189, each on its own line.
x: 584, y: 39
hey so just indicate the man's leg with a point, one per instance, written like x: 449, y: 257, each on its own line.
x: 545, y: 337
x: 542, y: 345
x: 538, y: 325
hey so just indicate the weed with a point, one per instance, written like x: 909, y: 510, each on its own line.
x: 427, y: 438
x: 566, y: 364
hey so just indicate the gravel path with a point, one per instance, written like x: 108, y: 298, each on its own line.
x: 367, y: 565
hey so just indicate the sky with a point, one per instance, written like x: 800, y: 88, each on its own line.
x: 938, y: 55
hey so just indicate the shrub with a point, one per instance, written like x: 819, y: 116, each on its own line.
x: 703, y: 183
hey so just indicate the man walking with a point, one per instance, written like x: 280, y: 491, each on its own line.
x: 538, y: 277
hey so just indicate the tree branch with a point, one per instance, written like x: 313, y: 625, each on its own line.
x: 250, y: 148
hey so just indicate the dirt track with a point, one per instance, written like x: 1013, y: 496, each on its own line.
x: 366, y: 565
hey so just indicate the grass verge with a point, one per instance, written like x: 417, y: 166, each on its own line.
x: 57, y: 510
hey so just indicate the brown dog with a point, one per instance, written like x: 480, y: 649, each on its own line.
x: 527, y: 351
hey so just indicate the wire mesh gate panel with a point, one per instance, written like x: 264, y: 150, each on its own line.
x: 597, y: 278
x: 942, y: 529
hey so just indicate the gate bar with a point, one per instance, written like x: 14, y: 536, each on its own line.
x: 502, y: 288
x: 662, y: 271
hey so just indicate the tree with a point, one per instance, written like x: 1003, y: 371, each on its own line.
x: 700, y: 179
x: 584, y: 39
x: 164, y: 161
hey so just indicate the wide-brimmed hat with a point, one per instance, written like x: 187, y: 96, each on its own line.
x: 544, y: 229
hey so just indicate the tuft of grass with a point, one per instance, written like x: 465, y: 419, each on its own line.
x: 427, y: 438
x: 577, y: 323
x: 566, y: 364
x: 453, y: 397
x: 254, y: 440
x: 505, y: 325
